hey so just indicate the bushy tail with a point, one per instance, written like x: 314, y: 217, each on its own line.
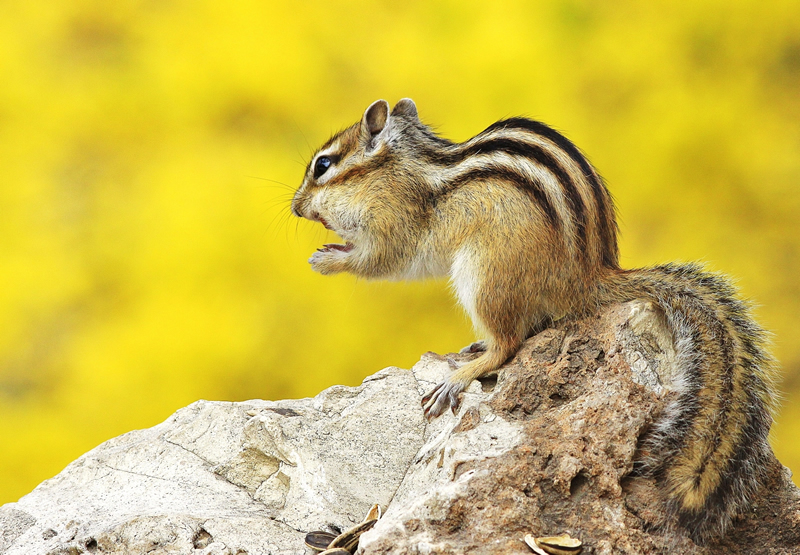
x: 709, y: 450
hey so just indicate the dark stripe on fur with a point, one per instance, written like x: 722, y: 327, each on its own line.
x: 360, y: 170
x: 726, y: 394
x: 606, y: 222
x: 521, y: 181
x: 739, y: 482
x: 534, y: 153
x: 542, y: 157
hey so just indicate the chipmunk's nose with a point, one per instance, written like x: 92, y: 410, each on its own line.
x: 296, y: 206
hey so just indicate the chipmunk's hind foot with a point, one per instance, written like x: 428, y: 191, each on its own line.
x: 446, y: 394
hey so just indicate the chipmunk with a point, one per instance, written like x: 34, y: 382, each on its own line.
x: 525, y: 229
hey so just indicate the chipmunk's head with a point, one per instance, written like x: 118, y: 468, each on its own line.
x: 353, y: 182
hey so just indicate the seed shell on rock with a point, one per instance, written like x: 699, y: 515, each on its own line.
x: 559, y: 545
x: 319, y: 540
x: 374, y: 513
x: 531, y: 542
x: 554, y: 545
x: 349, y: 538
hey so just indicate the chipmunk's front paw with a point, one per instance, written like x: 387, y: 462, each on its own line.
x: 328, y: 261
x: 443, y: 395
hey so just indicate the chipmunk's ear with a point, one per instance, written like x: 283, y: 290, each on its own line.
x: 374, y: 120
x: 405, y: 107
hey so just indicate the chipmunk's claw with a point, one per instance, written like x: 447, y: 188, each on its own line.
x: 443, y: 395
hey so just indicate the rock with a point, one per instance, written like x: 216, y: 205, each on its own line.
x: 547, y: 447
x: 229, y: 477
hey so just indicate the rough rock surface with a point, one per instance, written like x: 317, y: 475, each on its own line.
x: 547, y: 447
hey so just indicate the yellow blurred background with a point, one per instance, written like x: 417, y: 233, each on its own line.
x: 149, y: 149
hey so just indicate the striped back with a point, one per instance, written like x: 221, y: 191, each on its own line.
x: 547, y: 166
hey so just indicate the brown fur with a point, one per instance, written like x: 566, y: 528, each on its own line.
x: 525, y: 229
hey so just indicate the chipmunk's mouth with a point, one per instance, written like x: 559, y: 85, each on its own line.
x: 329, y: 247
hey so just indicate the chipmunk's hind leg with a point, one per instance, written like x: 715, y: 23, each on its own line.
x: 447, y: 393
x: 492, y: 297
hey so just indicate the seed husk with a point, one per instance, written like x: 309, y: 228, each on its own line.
x: 555, y: 545
x: 319, y: 540
x: 349, y: 538
x: 335, y: 551
x: 374, y: 513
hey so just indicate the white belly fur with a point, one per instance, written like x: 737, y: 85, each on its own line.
x: 464, y: 280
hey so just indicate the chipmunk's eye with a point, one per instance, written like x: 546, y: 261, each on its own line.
x: 321, y: 166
